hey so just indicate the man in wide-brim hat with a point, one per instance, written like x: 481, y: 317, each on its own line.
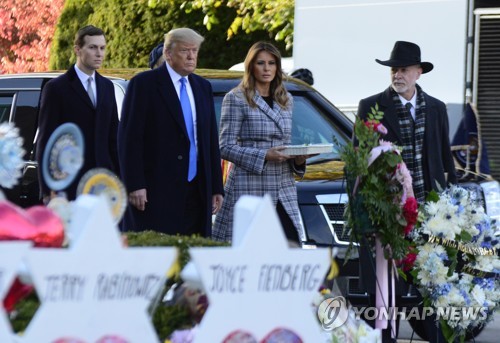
x: 418, y: 123
x: 415, y: 121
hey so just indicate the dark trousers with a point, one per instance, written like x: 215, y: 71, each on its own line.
x: 194, y: 210
x: 287, y: 223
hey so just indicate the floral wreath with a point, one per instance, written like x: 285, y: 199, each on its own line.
x: 380, y: 190
x: 11, y: 155
x: 456, y: 263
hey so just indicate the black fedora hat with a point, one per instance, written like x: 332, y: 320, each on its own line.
x: 406, y: 54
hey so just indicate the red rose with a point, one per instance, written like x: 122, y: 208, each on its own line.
x: 410, y: 213
x: 371, y: 124
x: 409, y: 261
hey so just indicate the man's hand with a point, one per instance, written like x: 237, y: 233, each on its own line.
x: 138, y: 199
x: 217, y: 200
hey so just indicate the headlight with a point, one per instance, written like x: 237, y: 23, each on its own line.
x: 491, y: 191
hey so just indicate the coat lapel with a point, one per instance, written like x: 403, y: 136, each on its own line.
x: 170, y: 97
x: 390, y: 115
x: 77, y: 86
x: 196, y: 88
x: 272, y: 113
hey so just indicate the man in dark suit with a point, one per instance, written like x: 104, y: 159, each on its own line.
x: 168, y: 144
x: 83, y: 97
x: 418, y: 123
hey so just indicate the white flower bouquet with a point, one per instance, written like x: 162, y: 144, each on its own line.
x: 457, y: 265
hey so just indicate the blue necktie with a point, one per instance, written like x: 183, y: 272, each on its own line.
x: 188, y: 119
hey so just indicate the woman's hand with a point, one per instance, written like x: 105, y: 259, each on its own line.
x: 301, y: 159
x: 274, y: 154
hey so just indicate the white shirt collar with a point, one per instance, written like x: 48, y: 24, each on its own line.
x: 84, y: 77
x: 175, y: 76
x: 413, y: 100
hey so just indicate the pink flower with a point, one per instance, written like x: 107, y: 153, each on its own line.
x: 380, y: 128
x: 183, y: 336
x: 403, y: 176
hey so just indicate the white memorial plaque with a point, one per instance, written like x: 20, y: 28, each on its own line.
x: 97, y: 288
x: 259, y: 286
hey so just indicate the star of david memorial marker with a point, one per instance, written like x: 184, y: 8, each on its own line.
x: 259, y: 286
x: 96, y: 288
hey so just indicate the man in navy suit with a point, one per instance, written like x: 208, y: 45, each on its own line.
x: 68, y: 98
x: 168, y: 144
x: 418, y: 123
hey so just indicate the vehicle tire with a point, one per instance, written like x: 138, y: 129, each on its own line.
x: 418, y: 328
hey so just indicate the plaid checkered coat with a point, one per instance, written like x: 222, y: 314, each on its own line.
x: 246, y: 134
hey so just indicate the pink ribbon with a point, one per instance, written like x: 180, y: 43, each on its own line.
x: 378, y: 150
x: 382, y: 289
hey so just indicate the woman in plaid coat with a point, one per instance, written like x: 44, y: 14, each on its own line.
x: 256, y: 122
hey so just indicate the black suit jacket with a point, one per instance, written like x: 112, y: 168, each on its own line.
x: 64, y: 99
x: 436, y: 156
x: 154, y: 150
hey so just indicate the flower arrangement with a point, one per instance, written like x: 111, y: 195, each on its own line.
x: 457, y: 265
x: 11, y: 155
x: 352, y: 330
x: 380, y: 190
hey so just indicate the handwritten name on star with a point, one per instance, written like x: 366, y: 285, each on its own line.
x: 288, y: 277
x: 118, y: 286
x: 126, y: 286
x: 65, y: 287
x: 227, y: 278
x: 272, y: 278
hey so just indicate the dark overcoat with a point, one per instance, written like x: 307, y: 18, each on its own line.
x: 65, y: 100
x: 154, y: 150
x: 436, y: 156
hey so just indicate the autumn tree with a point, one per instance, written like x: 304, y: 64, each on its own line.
x: 26, y: 31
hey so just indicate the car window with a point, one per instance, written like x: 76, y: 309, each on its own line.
x: 119, y: 95
x: 5, y: 108
x: 26, y: 116
x: 310, y: 126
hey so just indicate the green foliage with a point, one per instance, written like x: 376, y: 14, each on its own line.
x: 273, y: 16
x: 183, y: 243
x: 134, y: 28
x: 24, y: 312
x: 166, y: 319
